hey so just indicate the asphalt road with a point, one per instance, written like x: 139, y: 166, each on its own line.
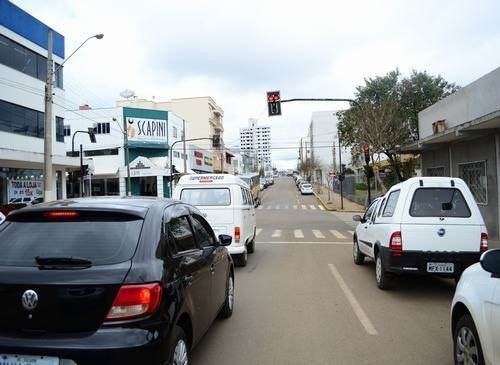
x: 301, y: 299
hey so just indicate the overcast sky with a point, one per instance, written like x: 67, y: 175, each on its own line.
x: 234, y: 51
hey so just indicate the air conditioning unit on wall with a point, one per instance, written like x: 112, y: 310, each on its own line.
x: 438, y: 126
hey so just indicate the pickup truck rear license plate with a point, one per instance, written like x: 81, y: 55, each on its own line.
x: 441, y: 267
x: 12, y: 359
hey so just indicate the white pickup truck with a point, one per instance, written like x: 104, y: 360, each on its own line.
x: 424, y: 225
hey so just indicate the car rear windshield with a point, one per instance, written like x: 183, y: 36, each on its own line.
x: 306, y: 185
x: 439, y: 202
x: 206, y: 196
x: 101, y: 241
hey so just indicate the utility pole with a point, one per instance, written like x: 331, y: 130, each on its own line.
x: 341, y: 175
x: 184, y: 144
x: 48, y: 182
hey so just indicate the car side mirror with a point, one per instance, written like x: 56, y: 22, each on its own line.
x: 357, y: 218
x: 490, y: 262
x: 225, y: 239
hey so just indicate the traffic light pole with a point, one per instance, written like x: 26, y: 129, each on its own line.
x: 341, y: 176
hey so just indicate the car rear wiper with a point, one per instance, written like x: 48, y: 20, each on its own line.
x: 62, y: 262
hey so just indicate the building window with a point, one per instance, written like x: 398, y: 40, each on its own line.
x: 20, y: 120
x: 22, y: 59
x: 177, y: 154
x: 59, y: 129
x: 67, y: 131
x: 174, y: 132
x: 435, y: 171
x: 102, y: 128
x: 474, y: 174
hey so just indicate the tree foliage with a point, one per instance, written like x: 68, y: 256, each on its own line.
x: 385, y: 115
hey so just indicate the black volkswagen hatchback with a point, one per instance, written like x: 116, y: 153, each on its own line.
x: 109, y: 281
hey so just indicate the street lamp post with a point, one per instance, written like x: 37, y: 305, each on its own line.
x: 48, y: 181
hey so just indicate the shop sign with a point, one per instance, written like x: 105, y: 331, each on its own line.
x: 142, y: 129
x: 25, y: 188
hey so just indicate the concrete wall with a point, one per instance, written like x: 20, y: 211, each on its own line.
x: 480, y: 149
x: 473, y: 101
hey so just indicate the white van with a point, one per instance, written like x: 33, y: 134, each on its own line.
x: 424, y: 225
x: 227, y: 204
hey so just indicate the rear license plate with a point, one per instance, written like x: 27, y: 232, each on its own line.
x: 441, y: 267
x: 12, y: 359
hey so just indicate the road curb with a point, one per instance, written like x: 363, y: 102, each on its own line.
x: 334, y: 209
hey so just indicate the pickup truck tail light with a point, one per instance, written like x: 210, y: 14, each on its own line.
x: 134, y: 301
x: 236, y: 234
x: 396, y: 243
x: 484, y: 242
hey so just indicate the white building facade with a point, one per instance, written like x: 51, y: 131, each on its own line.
x: 23, y: 70
x: 150, y: 134
x: 255, y: 143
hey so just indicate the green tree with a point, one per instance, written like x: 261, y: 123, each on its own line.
x: 385, y: 116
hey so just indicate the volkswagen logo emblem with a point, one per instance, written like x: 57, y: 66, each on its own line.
x: 441, y: 232
x: 29, y: 299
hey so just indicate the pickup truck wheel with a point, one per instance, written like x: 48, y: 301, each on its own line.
x: 251, y: 246
x: 358, y: 257
x: 467, y: 347
x: 382, y: 277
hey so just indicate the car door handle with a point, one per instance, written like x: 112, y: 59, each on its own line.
x: 188, y: 280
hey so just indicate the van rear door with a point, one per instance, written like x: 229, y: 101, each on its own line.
x: 441, y: 218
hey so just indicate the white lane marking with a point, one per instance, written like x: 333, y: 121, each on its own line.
x: 351, y: 232
x: 307, y: 243
x: 337, y: 234
x: 257, y: 231
x: 269, y: 207
x: 277, y: 207
x: 276, y: 233
x: 294, y: 207
x: 321, y: 207
x: 260, y: 207
x: 286, y: 206
x: 317, y: 233
x: 303, y: 206
x: 360, y: 313
x: 312, y: 207
x: 297, y: 233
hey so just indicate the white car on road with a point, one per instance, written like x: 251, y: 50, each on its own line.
x: 475, y: 313
x: 306, y: 188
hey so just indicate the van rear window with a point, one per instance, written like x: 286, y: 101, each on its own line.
x: 439, y: 202
x: 207, y: 196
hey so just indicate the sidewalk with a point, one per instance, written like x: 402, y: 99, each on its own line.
x: 334, y: 203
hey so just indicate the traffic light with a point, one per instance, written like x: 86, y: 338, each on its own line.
x: 273, y: 103
x: 366, y: 151
x: 216, y: 141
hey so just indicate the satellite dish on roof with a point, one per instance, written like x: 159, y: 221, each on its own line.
x: 127, y: 94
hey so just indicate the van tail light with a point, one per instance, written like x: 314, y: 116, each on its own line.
x: 236, y: 234
x: 484, y: 242
x: 396, y: 243
x: 133, y: 301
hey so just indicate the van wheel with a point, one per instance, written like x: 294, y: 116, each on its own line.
x: 251, y: 246
x: 358, y: 257
x: 242, y: 259
x: 382, y: 277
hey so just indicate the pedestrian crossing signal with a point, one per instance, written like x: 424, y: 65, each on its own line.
x: 273, y: 103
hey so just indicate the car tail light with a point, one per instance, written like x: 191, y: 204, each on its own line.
x: 396, y: 243
x: 134, y: 301
x: 484, y: 242
x: 236, y: 234
x: 61, y: 214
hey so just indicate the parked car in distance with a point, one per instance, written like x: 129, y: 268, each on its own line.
x: 226, y: 202
x: 306, y: 188
x: 475, y: 313
x: 110, y: 281
x: 425, y: 225
x: 263, y: 183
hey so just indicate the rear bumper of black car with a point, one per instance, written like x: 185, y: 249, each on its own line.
x: 415, y: 262
x: 106, y: 346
